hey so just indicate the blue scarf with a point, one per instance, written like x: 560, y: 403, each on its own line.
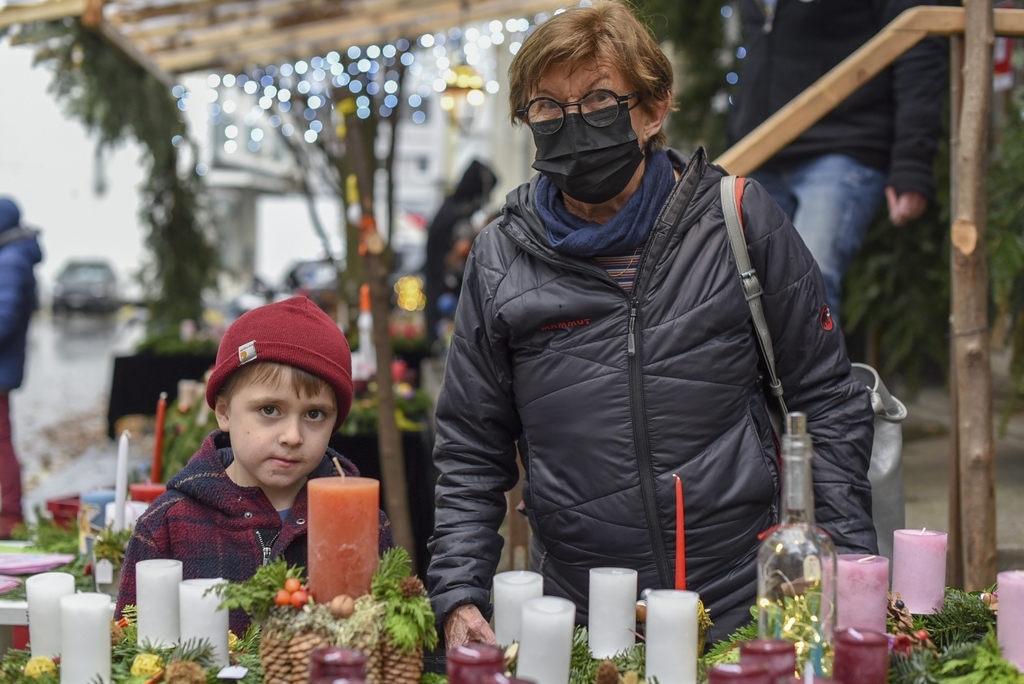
x: 625, y: 232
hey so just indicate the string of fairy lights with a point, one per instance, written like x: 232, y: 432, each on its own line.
x: 305, y: 97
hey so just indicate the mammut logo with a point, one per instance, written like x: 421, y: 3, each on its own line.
x: 567, y: 324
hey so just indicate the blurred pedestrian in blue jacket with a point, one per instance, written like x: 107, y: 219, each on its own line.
x: 19, y: 253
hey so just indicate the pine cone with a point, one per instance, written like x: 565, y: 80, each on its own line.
x: 375, y: 666
x: 900, y: 614
x: 401, y: 667
x: 299, y: 649
x: 274, y: 657
x: 607, y: 673
x: 412, y: 587
x: 992, y: 601
x: 184, y: 672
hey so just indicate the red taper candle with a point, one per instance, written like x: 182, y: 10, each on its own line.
x: 680, y: 537
x: 156, y: 473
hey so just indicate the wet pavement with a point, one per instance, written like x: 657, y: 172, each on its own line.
x: 59, y: 414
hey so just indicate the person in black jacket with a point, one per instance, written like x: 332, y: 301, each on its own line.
x: 603, y: 330
x: 881, y: 141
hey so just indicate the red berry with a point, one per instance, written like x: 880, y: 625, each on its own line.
x: 299, y: 599
x: 283, y: 598
x: 292, y: 585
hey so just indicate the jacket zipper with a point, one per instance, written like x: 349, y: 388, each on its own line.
x: 267, y: 548
x: 637, y: 410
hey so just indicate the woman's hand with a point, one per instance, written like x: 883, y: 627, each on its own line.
x: 465, y: 625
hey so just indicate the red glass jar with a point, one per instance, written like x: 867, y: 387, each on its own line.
x: 337, y: 663
x: 739, y: 674
x: 469, y: 663
x: 777, y: 655
x: 861, y: 657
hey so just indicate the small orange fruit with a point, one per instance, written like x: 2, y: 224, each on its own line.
x: 292, y: 585
x: 283, y: 598
x: 299, y: 599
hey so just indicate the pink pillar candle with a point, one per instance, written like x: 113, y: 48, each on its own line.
x: 863, y: 593
x: 1010, y: 621
x: 919, y: 569
x: 861, y: 657
x: 739, y: 674
x: 778, y: 656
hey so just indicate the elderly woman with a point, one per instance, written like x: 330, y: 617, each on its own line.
x: 603, y: 329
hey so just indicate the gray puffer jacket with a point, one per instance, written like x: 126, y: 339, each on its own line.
x: 609, y: 394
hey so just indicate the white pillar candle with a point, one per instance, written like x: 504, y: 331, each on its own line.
x: 671, y: 632
x: 202, y: 617
x: 1010, y: 621
x: 546, y: 646
x: 612, y: 611
x: 44, y: 594
x: 85, y: 638
x: 919, y: 569
x: 156, y: 591
x: 511, y: 590
x: 121, y: 482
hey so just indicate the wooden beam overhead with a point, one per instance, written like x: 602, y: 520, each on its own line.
x: 41, y: 11
x: 806, y: 109
x: 409, y: 20
x: 111, y: 34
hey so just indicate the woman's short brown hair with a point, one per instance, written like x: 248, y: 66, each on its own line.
x: 606, y: 31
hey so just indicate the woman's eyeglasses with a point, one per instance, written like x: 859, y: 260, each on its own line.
x: 599, y: 108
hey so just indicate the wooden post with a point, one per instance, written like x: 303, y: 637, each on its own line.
x: 372, y: 249
x: 954, y: 554
x: 969, y: 317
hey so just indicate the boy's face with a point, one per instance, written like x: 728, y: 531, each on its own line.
x: 278, y: 437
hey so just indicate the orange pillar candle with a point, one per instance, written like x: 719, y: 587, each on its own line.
x: 343, y: 531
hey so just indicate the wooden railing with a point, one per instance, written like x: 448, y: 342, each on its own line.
x: 972, y: 552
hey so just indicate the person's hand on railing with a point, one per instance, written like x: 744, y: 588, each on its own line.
x: 904, y: 207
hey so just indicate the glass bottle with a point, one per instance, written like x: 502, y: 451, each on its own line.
x: 796, y: 564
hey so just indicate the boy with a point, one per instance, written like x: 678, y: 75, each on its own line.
x: 281, y: 387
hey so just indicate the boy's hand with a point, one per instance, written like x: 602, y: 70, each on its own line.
x: 466, y: 625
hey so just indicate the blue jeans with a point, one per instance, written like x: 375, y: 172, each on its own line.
x: 831, y: 201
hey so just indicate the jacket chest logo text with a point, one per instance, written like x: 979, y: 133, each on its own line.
x: 566, y: 324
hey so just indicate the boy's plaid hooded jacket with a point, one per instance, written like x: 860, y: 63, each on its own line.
x: 215, y: 527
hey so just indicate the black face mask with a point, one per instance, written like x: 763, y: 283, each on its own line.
x: 589, y: 164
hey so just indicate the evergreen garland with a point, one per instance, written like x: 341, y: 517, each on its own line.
x: 115, y: 98
x: 964, y: 618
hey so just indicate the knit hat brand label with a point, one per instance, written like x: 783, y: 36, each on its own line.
x: 247, y: 353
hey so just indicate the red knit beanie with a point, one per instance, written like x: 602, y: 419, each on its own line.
x: 294, y: 332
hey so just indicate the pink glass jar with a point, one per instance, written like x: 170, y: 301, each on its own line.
x: 739, y: 674
x: 337, y: 663
x: 777, y: 655
x: 861, y: 657
x: 469, y: 663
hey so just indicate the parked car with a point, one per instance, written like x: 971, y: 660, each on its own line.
x: 86, y: 286
x: 317, y: 280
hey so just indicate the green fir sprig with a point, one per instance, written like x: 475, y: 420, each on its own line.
x: 256, y: 595
x: 964, y: 618
x: 409, y: 620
